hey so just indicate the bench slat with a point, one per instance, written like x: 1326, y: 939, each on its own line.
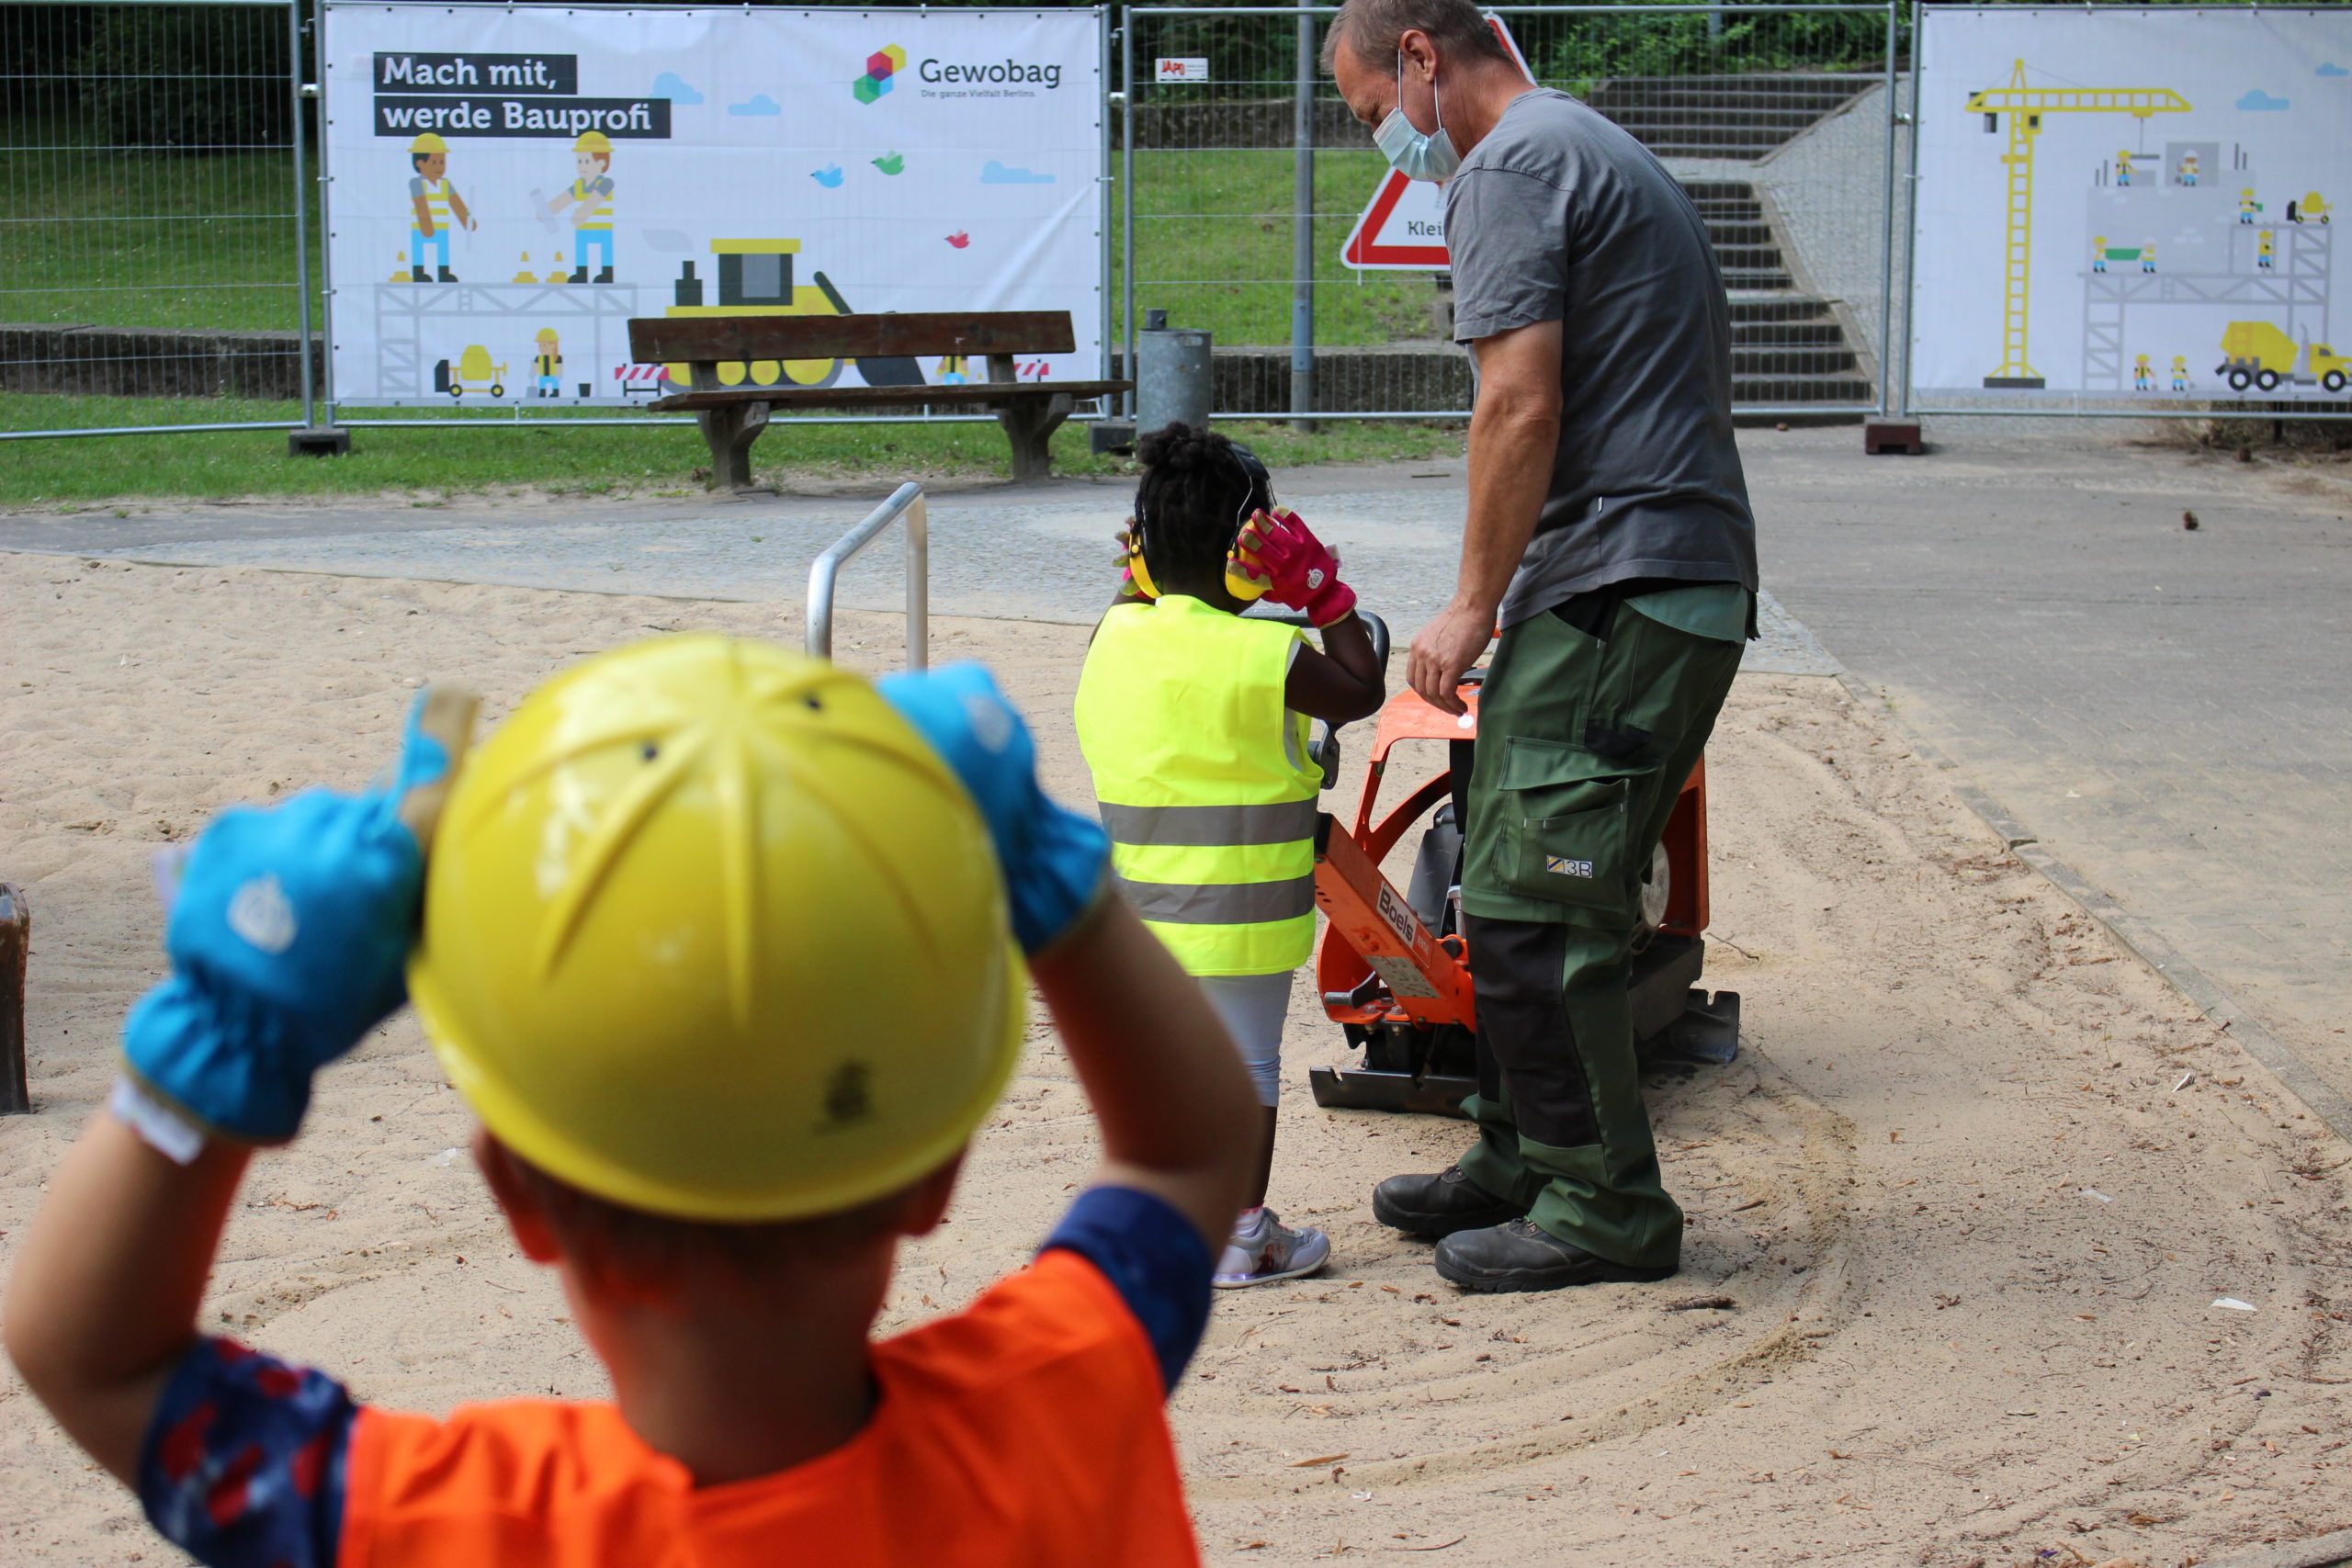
x: 654, y: 340
x: 885, y: 397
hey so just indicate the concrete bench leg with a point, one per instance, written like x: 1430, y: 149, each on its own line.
x: 1030, y: 424
x: 731, y: 430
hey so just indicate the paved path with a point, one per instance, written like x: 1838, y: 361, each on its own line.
x: 2169, y: 711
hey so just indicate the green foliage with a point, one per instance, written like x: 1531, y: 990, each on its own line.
x: 191, y: 79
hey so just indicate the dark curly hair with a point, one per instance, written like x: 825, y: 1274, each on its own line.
x: 1198, y: 488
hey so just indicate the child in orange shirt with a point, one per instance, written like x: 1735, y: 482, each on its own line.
x: 718, y: 942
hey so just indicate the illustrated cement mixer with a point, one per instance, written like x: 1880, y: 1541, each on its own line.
x: 2258, y: 354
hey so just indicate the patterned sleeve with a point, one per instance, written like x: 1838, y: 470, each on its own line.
x: 1153, y: 1257
x: 243, y: 1463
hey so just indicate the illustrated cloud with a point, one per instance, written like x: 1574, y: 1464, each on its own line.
x: 995, y: 174
x: 668, y: 85
x: 2332, y: 69
x: 760, y: 103
x: 2258, y: 99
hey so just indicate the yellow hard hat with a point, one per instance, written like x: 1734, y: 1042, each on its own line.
x: 546, y: 334
x: 710, y: 931
x: 593, y: 142
x: 428, y: 142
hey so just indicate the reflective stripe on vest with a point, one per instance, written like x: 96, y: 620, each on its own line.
x: 1206, y: 795
x: 598, y: 211
x: 437, y: 202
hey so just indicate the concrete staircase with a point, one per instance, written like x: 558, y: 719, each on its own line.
x: 1721, y: 117
x: 1789, y: 349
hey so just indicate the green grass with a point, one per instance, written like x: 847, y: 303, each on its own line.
x: 145, y: 239
x: 464, y: 457
x: 1212, y: 248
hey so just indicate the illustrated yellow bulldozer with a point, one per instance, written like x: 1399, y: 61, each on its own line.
x: 755, y: 279
x: 2258, y: 354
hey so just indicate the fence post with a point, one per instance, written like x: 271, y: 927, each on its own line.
x: 15, y: 941
x: 1301, y: 252
x: 1127, y: 192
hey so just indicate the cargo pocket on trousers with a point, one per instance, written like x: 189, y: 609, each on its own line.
x: 1568, y: 817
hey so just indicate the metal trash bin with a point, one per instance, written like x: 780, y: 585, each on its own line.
x: 1172, y: 375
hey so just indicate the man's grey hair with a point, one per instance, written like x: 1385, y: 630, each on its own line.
x: 1369, y: 29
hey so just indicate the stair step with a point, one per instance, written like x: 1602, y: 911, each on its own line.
x: 1824, y: 332
x: 1678, y: 117
x: 1757, y: 278
x: 1748, y: 309
x: 1770, y: 390
x: 1719, y: 190
x: 1747, y: 233
x: 1749, y: 258
x: 1792, y: 359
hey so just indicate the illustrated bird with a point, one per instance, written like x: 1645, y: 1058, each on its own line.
x: 2188, y: 521
x: 830, y: 177
x: 891, y: 162
x: 959, y: 239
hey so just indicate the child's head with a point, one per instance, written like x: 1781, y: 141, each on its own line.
x: 716, y: 949
x: 429, y: 155
x: 1198, y: 488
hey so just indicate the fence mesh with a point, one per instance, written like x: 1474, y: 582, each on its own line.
x: 148, y: 273
x: 1774, y: 118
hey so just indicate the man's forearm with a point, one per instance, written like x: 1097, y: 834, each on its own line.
x: 1512, y: 452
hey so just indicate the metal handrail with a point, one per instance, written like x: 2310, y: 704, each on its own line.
x: 906, y: 501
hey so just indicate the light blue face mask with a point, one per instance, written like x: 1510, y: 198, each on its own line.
x: 1417, y: 154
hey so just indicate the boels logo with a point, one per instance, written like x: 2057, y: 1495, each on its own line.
x: 882, y: 68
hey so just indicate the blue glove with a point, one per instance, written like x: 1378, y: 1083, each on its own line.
x: 1054, y: 859
x: 289, y: 937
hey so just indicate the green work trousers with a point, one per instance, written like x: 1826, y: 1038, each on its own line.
x: 1584, y: 742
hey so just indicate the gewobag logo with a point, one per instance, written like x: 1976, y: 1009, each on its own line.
x: 882, y: 68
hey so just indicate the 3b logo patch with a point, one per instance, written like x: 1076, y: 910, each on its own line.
x: 1560, y: 866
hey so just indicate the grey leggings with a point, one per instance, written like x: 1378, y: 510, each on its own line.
x: 1252, y: 1008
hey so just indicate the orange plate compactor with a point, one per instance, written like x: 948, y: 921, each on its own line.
x: 1393, y: 969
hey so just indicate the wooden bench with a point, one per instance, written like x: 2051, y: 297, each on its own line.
x: 732, y: 417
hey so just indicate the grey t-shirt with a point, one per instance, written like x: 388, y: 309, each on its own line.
x: 1560, y: 216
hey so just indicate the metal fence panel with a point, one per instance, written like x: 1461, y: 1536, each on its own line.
x: 1245, y: 175
x: 150, y: 269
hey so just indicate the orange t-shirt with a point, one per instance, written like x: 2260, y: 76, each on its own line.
x: 1027, y: 1429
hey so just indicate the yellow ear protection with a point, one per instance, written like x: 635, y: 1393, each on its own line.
x: 1241, y: 579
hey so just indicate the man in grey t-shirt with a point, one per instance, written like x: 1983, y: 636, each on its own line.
x: 1609, y: 537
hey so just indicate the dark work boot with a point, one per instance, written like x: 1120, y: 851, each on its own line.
x: 448, y: 277
x: 579, y: 275
x: 605, y: 276
x: 418, y: 274
x: 1521, y: 1256
x: 1439, y: 1205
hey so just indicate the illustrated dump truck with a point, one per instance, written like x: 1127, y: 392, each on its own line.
x: 2258, y: 354
x: 755, y: 279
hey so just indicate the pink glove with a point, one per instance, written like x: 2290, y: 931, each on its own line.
x: 1302, y: 571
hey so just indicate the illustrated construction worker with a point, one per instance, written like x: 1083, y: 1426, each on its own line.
x: 2179, y: 373
x: 2247, y: 207
x: 435, y: 204
x: 2141, y: 375
x: 548, y: 364
x: 2265, y: 256
x: 2123, y: 167
x: 2148, y: 258
x: 2098, y: 253
x: 592, y: 194
x: 2188, y: 173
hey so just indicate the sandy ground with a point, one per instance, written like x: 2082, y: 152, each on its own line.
x: 1961, y: 1213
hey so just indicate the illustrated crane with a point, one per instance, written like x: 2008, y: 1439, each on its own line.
x: 2025, y: 107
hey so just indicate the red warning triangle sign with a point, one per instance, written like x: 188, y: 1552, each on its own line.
x: 1403, y: 226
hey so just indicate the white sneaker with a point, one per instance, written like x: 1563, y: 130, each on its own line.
x: 1264, y: 1249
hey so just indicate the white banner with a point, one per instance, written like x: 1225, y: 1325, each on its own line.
x: 2130, y: 201
x: 510, y: 184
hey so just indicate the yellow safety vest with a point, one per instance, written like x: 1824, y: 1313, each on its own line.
x: 1205, y: 785
x: 598, y: 212
x: 436, y: 201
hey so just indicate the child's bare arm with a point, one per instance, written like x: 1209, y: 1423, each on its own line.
x: 1167, y: 1085
x: 104, y: 1299
x: 1343, y: 683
